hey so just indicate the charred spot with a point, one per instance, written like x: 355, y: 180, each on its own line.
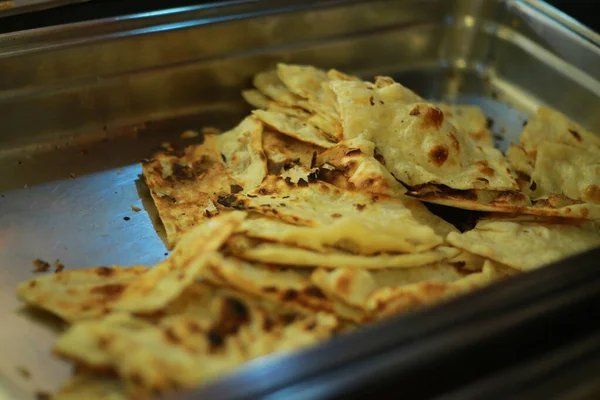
x: 433, y: 117
x: 489, y: 122
x: 171, y: 336
x: 454, y: 141
x: 379, y: 157
x: 438, y: 155
x: 223, y: 158
x: 110, y: 290
x: 312, y: 325
x: 314, y: 291
x: 336, y: 215
x: 484, y: 168
x: 576, y: 135
x: 313, y: 176
x: 289, y: 294
x: 302, y: 183
x: 251, y: 195
x: 263, y: 191
x: 512, y: 198
x: 40, y: 395
x: 230, y: 201
x: 32, y: 284
x: 415, y: 111
x: 237, y: 309
x: 360, y: 207
x: 236, y: 189
x: 353, y: 151
x: 483, y: 180
x: 208, y: 214
x: 313, y: 160
x: 368, y: 182
x: 289, y: 318
x: 533, y: 185
x: 525, y: 123
x: 269, y: 289
x: 372, y: 100
x: 268, y: 324
x: 262, y: 156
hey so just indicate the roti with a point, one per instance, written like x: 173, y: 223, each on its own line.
x: 526, y: 245
x: 75, y: 295
x: 276, y: 253
x: 470, y: 120
x: 165, y: 282
x: 338, y: 218
x: 185, y: 186
x: 419, y: 145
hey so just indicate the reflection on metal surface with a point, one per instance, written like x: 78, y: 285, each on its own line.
x: 91, y: 99
x: 24, y: 6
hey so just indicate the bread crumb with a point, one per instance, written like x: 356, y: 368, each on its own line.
x: 58, y: 266
x: 135, y: 209
x: 188, y: 134
x: 41, y: 265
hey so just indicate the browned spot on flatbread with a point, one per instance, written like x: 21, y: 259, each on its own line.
x: 454, y: 141
x: 433, y: 117
x: 576, y: 135
x: 110, y: 290
x: 343, y: 285
x: 314, y: 291
x: 415, y: 111
x: 592, y: 193
x: 484, y: 168
x: 584, y: 212
x: 104, y: 271
x: 438, y: 155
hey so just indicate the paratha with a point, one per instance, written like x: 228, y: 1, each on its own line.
x: 526, y: 245
x: 338, y: 218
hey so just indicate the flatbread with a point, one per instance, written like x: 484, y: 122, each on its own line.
x: 469, y: 119
x: 526, y: 245
x: 553, y: 126
x: 290, y: 289
x: 242, y: 152
x: 75, y: 295
x: 284, y: 152
x: 512, y: 202
x: 345, y: 219
x: 294, y: 127
x: 256, y: 99
x: 89, y: 386
x: 281, y: 254
x: 185, y: 186
x: 388, y: 301
x: 151, y: 358
x: 303, y: 80
x: 353, y: 165
x: 165, y: 282
x: 566, y: 170
x: 418, y: 143
x: 269, y: 84
x: 355, y: 286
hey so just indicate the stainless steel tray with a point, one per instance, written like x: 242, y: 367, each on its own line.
x: 80, y: 104
x: 12, y: 7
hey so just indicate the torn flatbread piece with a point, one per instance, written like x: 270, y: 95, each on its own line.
x: 269, y: 84
x: 294, y: 127
x: 290, y: 289
x: 242, y: 152
x: 284, y: 152
x: 150, y: 358
x: 256, y: 99
x: 355, y: 286
x: 165, y: 282
x: 338, y: 218
x: 418, y: 143
x: 553, y: 126
x: 281, y: 254
x: 469, y: 119
x: 512, y: 202
x: 526, y: 245
x: 185, y: 186
x: 89, y: 386
x: 388, y: 301
x: 75, y: 295
x: 566, y: 170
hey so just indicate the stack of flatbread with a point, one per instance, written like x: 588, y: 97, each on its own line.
x: 307, y: 220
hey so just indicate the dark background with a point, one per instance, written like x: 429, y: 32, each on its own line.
x: 579, y: 9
